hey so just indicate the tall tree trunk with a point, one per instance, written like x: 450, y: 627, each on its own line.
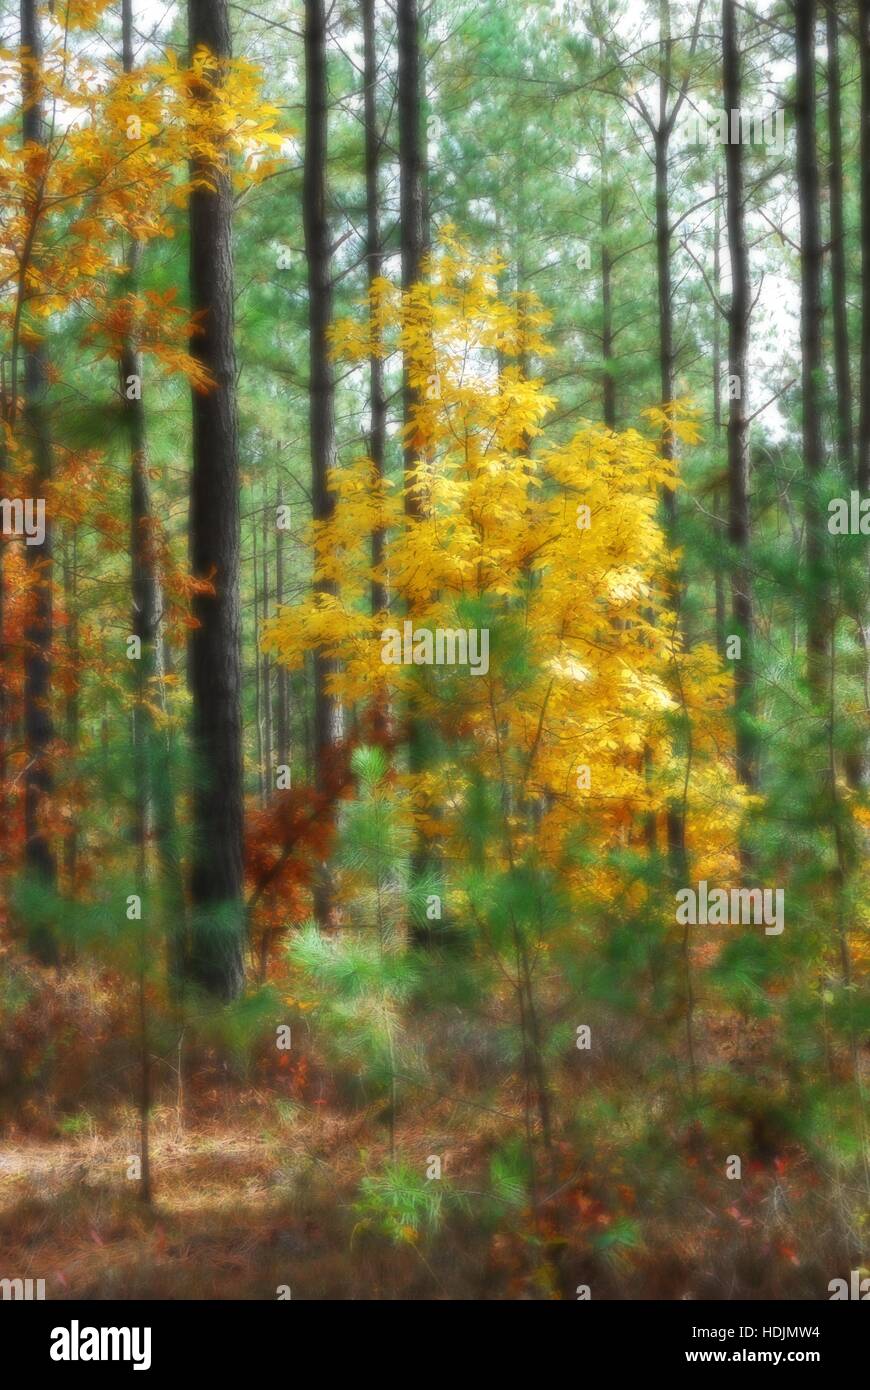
x: 412, y: 208
x: 145, y: 588
x: 857, y: 763
x: 812, y: 364
x: 665, y: 292
x: 283, y: 679
x: 4, y: 700
x: 718, y: 570
x: 5, y: 703
x: 863, y: 467
x: 71, y: 701
x: 853, y: 759
x: 327, y: 710
x: 38, y: 723
x: 410, y: 196
x: 267, y: 665
x: 839, y: 292
x: 379, y: 597
x: 374, y: 264
x: 424, y: 108
x: 258, y: 685
x: 608, y: 381
x: 154, y: 810
x: 216, y: 961
x: 675, y: 823
x: 738, y: 427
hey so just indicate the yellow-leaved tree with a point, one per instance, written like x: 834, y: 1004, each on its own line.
x: 530, y: 630
x: 543, y: 561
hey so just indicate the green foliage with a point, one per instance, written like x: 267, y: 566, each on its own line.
x: 401, y: 1204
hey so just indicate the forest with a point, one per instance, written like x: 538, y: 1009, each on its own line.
x: 434, y: 649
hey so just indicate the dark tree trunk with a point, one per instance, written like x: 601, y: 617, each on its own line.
x: 38, y: 723
x: 267, y: 665
x: 857, y: 760
x: 674, y: 820
x: 812, y: 363
x: 283, y: 680
x: 839, y: 294
x: 327, y: 710
x: 738, y: 427
x: 379, y: 596
x: 374, y: 262
x: 71, y: 700
x: 4, y: 669
x: 4, y: 702
x: 413, y: 213
x: 216, y: 961
x: 154, y: 805
x: 863, y: 469
x: 411, y: 200
x: 608, y: 381
x: 258, y: 691
x: 718, y: 569
x: 670, y: 100
x: 662, y: 140
x: 665, y: 292
x: 426, y: 186
x: 145, y: 588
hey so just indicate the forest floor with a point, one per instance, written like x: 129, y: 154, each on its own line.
x: 258, y: 1171
x: 221, y: 1225
x: 237, y: 1213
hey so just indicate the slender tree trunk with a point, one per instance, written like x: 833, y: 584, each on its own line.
x: 258, y: 687
x: 71, y: 702
x: 374, y: 262
x: 412, y: 207
x: 145, y: 1184
x: 423, y: 109
x: 216, y: 961
x: 839, y: 282
x: 145, y: 589
x: 4, y: 667
x: 267, y: 665
x: 812, y: 362
x: 146, y: 595
x: 863, y: 466
x: 379, y: 597
x: 670, y: 101
x: 718, y: 570
x: 605, y: 205
x: 4, y: 700
x: 853, y: 759
x: 667, y: 357
x: 327, y: 710
x: 38, y: 723
x: 410, y: 198
x: 738, y: 427
x: 665, y: 296
x: 857, y: 761
x: 154, y: 806
x: 283, y: 721
x: 522, y: 302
